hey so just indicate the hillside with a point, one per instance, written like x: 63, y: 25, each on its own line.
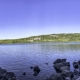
x: 45, y: 38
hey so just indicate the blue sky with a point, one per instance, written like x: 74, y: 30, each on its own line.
x: 24, y: 18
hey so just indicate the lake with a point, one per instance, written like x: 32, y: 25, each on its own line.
x: 18, y: 58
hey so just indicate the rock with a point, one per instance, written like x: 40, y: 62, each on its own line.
x: 79, y: 62
x: 24, y: 73
x: 57, y: 61
x: 67, y: 78
x: 63, y: 60
x: 75, y: 65
x: 46, y: 63
x: 79, y: 68
x: 75, y: 77
x: 55, y: 77
x: 76, y: 72
x: 13, y: 78
x: 2, y: 71
x: 78, y: 78
x: 35, y: 73
x: 57, y: 66
x: 65, y: 68
x: 4, y: 75
x: 68, y: 73
x: 66, y: 64
x: 36, y: 70
x: 47, y: 78
x: 31, y: 67
x: 10, y: 74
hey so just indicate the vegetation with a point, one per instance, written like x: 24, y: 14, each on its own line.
x: 45, y: 38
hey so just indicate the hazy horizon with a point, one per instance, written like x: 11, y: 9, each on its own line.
x: 25, y: 18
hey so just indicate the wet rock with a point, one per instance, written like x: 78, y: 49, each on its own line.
x: 36, y: 70
x: 4, y: 75
x: 79, y: 62
x: 76, y: 72
x: 2, y: 71
x: 56, y: 76
x: 79, y: 68
x: 68, y: 73
x: 66, y: 64
x: 65, y: 68
x: 47, y: 78
x: 75, y: 65
x: 35, y: 73
x: 31, y: 67
x: 59, y: 61
x: 24, y: 73
x: 10, y: 74
x: 67, y: 78
x: 63, y: 60
x: 75, y: 77
x: 57, y: 67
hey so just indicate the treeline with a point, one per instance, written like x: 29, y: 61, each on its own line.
x: 45, y: 38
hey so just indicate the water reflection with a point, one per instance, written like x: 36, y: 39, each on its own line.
x: 19, y: 57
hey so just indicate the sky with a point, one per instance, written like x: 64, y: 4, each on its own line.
x: 25, y: 18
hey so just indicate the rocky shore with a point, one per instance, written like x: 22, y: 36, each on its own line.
x: 4, y: 75
x: 63, y: 71
x: 61, y: 66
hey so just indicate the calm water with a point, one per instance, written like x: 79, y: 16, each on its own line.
x: 18, y: 58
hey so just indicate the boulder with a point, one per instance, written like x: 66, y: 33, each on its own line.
x: 2, y: 71
x: 63, y: 60
x: 56, y: 76
x: 10, y: 74
x: 57, y: 66
x: 36, y: 70
x: 59, y: 61
x: 68, y: 73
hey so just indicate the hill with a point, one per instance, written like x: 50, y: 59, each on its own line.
x: 75, y: 37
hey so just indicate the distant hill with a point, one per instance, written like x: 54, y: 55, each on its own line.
x: 73, y: 37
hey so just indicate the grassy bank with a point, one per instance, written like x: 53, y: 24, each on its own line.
x: 45, y: 38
